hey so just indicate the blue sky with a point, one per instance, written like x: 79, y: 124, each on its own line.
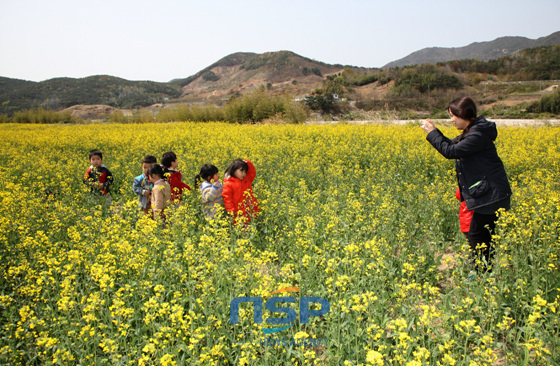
x: 167, y: 39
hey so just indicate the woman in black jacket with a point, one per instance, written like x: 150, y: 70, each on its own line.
x: 481, y: 175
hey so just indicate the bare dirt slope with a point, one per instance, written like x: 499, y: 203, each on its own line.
x: 90, y: 112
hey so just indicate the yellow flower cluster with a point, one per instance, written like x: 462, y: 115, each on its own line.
x: 363, y: 216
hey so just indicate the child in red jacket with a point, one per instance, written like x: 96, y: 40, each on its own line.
x: 465, y: 215
x: 238, y: 192
x: 173, y: 176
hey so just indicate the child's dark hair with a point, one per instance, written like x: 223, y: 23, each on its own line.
x: 206, y: 172
x: 168, y: 158
x: 95, y: 152
x: 155, y: 169
x: 236, y: 164
x: 149, y: 159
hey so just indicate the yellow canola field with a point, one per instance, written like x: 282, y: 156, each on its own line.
x: 363, y: 216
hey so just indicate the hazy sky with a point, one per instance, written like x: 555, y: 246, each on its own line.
x: 161, y: 40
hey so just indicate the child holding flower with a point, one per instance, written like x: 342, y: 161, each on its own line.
x: 98, y: 178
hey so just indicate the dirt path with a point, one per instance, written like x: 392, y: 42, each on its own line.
x: 499, y: 122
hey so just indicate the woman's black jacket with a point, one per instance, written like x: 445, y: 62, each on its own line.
x: 480, y: 172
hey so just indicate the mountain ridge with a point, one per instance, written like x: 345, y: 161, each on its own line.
x: 485, y: 51
x: 235, y: 74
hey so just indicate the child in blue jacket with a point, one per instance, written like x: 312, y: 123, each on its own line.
x: 143, y: 187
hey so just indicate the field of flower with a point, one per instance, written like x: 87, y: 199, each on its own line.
x: 362, y: 216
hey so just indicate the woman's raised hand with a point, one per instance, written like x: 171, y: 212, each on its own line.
x: 428, y: 126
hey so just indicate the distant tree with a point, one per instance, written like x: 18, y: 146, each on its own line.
x: 547, y: 104
x: 143, y: 116
x: 51, y: 103
x: 333, y: 84
x: 294, y: 112
x: 322, y: 103
x: 117, y: 116
x: 423, y: 79
x: 316, y: 71
x: 260, y: 105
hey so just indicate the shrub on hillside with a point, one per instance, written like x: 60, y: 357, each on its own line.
x: 314, y: 70
x: 210, y: 76
x: 424, y: 79
x: 547, y: 104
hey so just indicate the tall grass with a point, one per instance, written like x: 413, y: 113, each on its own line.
x: 43, y: 116
x: 257, y: 106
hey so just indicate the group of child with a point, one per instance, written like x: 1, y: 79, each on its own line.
x: 160, y: 185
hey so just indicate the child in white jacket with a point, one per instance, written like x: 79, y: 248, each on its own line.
x: 210, y: 190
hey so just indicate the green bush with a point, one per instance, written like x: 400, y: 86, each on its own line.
x: 117, y: 116
x: 142, y: 116
x: 548, y: 104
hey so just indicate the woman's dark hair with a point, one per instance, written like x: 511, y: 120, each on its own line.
x: 206, y: 172
x: 236, y: 164
x: 155, y: 169
x: 168, y: 158
x: 149, y: 159
x: 95, y: 152
x: 464, y: 108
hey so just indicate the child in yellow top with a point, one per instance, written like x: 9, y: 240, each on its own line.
x: 161, y: 193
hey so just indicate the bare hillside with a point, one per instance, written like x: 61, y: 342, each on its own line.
x: 282, y: 71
